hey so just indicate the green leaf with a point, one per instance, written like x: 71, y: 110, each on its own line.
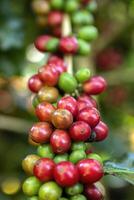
x: 123, y: 170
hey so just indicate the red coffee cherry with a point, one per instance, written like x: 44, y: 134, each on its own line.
x: 92, y: 192
x: 68, y: 103
x: 60, y: 141
x: 49, y: 75
x: 44, y: 169
x: 62, y: 119
x: 58, y: 63
x: 95, y: 85
x: 34, y: 83
x: 41, y: 132
x: 101, y: 131
x: 90, y: 171
x: 54, y: 18
x: 41, y: 41
x: 66, y: 174
x: 89, y: 115
x: 68, y: 45
x: 87, y: 99
x: 80, y: 131
x: 44, y: 111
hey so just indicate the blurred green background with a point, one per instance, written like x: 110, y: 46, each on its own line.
x: 112, y: 57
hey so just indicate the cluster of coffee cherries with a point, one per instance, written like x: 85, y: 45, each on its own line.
x: 68, y: 122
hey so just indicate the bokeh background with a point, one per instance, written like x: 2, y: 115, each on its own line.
x: 112, y: 57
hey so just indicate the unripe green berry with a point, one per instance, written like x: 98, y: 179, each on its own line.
x: 57, y: 4
x: 78, y: 197
x: 82, y: 18
x: 78, y: 146
x: 88, y: 33
x: 84, y: 47
x: 71, y: 6
x: 45, y: 151
x: 74, y: 190
x: 82, y: 75
x: 52, y: 45
x: 60, y: 158
x: 77, y: 155
x: 95, y: 157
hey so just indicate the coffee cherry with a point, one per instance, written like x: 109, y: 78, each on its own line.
x: 48, y: 94
x: 29, y: 162
x: 49, y: 75
x: 87, y: 99
x: 68, y: 103
x: 82, y: 75
x: 78, y: 197
x: 60, y: 141
x: 33, y: 198
x: 58, y: 63
x: 54, y: 18
x: 35, y: 101
x: 45, y: 151
x: 95, y: 157
x: 101, y: 131
x: 35, y: 83
x: 57, y: 4
x: 93, y: 192
x: 82, y: 18
x: 74, y: 190
x: 71, y: 6
x: 44, y: 111
x: 92, y: 6
x: 88, y: 33
x: 90, y: 171
x: 84, y: 47
x: 77, y: 155
x: 95, y: 85
x: 50, y: 191
x: 52, y: 45
x: 89, y: 115
x: 41, y: 132
x: 60, y: 158
x: 40, y: 7
x: 78, y: 146
x: 80, y: 131
x: 41, y: 42
x: 62, y: 119
x: 68, y: 45
x: 31, y: 142
x: 83, y: 104
x: 66, y: 174
x: 31, y: 186
x: 43, y: 169
x: 67, y: 82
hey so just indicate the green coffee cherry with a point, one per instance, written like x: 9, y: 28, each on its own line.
x: 77, y: 155
x: 33, y: 198
x: 67, y: 82
x: 74, y: 190
x: 92, y: 6
x: 95, y: 157
x: 57, y: 4
x: 82, y: 75
x: 71, y: 6
x: 78, y: 197
x: 52, y: 45
x: 60, y: 158
x: 82, y: 18
x: 31, y: 186
x: 45, y: 151
x: 84, y: 47
x: 35, y: 101
x: 88, y: 33
x: 78, y: 146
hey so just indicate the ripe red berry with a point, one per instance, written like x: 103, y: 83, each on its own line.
x: 49, y: 75
x: 68, y: 103
x: 35, y: 83
x: 80, y: 131
x: 62, y: 119
x: 44, y: 169
x: 83, y: 104
x: 59, y: 63
x: 101, y: 131
x: 41, y: 132
x: 90, y: 171
x: 89, y: 115
x: 66, y: 174
x: 54, y: 18
x: 41, y: 41
x: 87, y: 99
x: 60, y: 141
x: 92, y: 192
x: 44, y: 111
x: 95, y: 85
x: 68, y: 45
